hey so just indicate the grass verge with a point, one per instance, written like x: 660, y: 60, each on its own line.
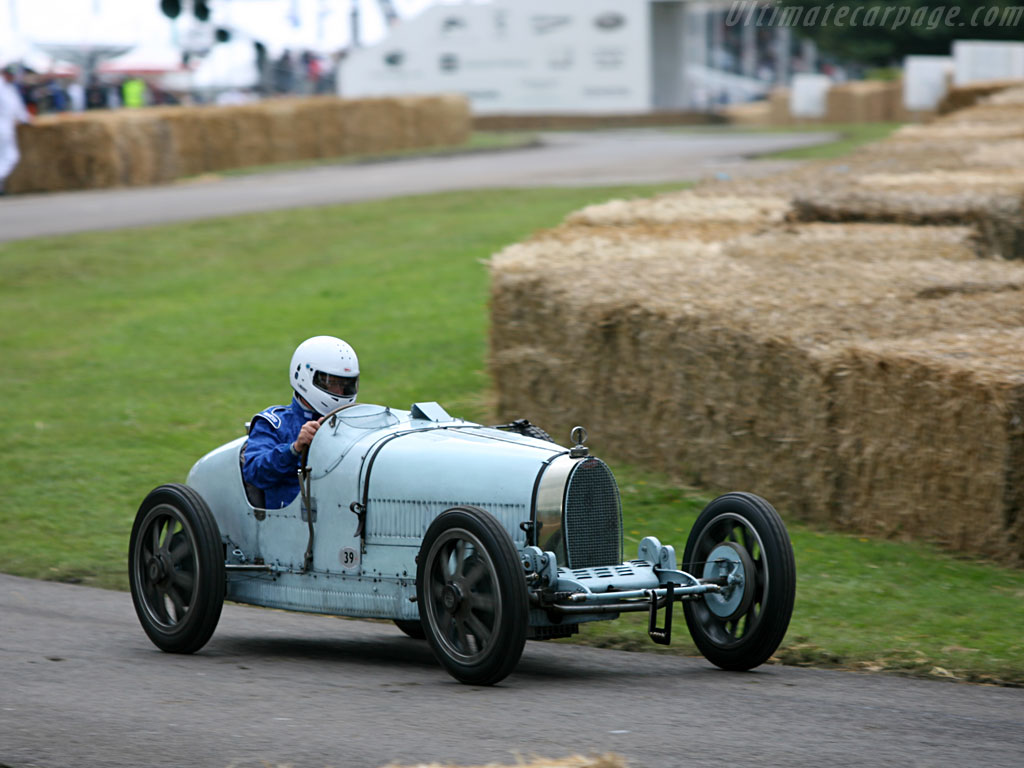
x: 853, y: 135
x: 129, y: 354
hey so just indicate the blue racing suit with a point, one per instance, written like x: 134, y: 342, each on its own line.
x: 270, y: 463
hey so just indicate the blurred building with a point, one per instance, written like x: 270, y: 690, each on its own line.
x: 578, y: 56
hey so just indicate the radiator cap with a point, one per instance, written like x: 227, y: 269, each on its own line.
x: 579, y: 437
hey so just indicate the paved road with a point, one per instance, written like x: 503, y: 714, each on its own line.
x: 563, y: 159
x: 81, y: 686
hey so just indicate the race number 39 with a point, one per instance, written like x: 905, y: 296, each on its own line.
x: 349, y: 557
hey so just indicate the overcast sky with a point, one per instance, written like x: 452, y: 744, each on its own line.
x: 316, y: 24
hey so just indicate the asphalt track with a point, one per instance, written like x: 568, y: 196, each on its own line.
x: 81, y: 686
x: 561, y: 159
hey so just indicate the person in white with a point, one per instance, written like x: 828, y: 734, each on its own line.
x: 12, y: 112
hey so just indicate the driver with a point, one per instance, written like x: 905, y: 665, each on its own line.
x: 324, y: 373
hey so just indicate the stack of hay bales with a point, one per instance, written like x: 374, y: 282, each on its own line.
x: 965, y: 168
x: 153, y: 146
x: 858, y: 101
x: 778, y: 101
x: 864, y: 101
x: 859, y: 367
x: 961, y: 97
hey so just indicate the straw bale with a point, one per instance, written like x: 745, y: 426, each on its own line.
x: 859, y: 101
x: 291, y: 136
x: 988, y: 200
x: 151, y: 146
x: 187, y: 138
x: 1008, y: 97
x: 66, y: 153
x: 233, y: 138
x: 680, y: 207
x: 999, y: 154
x: 931, y: 439
x: 704, y: 397
x: 1012, y: 179
x: 962, y: 96
x: 856, y: 362
x: 441, y: 120
x: 1006, y: 114
x: 374, y: 125
x: 726, y: 354
x: 145, y: 150
x: 778, y: 101
x: 748, y: 113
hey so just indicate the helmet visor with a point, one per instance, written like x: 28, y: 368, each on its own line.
x: 339, y: 386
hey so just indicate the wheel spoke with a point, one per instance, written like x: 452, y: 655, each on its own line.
x: 179, y: 605
x: 482, y: 633
x: 475, y: 573
x: 160, y: 604
x: 436, y: 590
x: 168, y: 534
x: 185, y: 580
x: 482, y: 601
x: 180, y: 551
x: 463, y: 636
x: 447, y: 563
x: 154, y: 535
x: 460, y: 557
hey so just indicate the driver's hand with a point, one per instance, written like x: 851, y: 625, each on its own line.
x: 306, y: 435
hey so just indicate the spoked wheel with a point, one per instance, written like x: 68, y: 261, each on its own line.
x: 742, y: 535
x: 412, y: 628
x: 472, y: 596
x: 176, y: 569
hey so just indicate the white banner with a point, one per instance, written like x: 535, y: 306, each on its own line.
x: 516, y: 57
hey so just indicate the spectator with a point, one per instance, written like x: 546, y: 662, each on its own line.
x: 76, y: 96
x: 133, y: 93
x: 12, y: 112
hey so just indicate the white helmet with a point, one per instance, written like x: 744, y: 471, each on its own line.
x: 325, y: 373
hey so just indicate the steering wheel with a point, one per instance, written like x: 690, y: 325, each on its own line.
x: 329, y: 415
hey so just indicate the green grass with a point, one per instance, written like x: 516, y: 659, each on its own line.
x: 853, y: 135
x: 127, y: 355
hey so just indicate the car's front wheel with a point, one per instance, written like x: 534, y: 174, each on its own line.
x: 472, y: 596
x: 176, y: 569
x: 740, y: 535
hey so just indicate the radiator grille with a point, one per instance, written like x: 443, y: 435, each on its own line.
x: 593, y: 516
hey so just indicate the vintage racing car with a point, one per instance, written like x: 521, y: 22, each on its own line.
x: 474, y: 537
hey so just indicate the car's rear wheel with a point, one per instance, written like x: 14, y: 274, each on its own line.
x: 472, y: 596
x: 176, y: 569
x: 742, y: 534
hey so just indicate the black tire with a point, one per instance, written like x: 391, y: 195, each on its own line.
x: 743, y: 632
x: 413, y: 628
x: 176, y: 569
x: 472, y: 596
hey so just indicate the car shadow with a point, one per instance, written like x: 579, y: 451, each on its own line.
x: 540, y: 661
x: 380, y: 650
